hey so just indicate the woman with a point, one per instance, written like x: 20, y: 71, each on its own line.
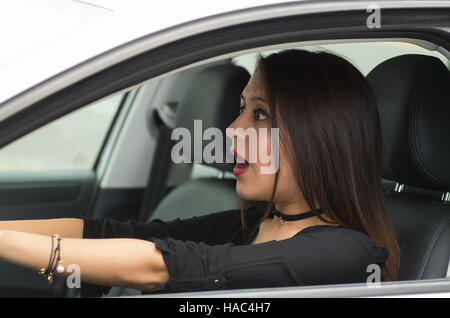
x: 323, y: 219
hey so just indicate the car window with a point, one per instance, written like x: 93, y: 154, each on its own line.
x: 70, y: 142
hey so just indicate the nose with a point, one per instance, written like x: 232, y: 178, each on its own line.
x: 230, y: 133
x: 231, y: 127
x: 236, y: 132
x: 234, y: 128
x: 240, y: 122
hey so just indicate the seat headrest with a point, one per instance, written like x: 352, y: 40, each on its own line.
x: 213, y: 96
x: 413, y: 95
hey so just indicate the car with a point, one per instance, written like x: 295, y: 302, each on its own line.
x: 92, y: 90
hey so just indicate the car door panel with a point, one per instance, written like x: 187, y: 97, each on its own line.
x: 40, y: 195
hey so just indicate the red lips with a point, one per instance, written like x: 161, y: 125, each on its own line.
x: 239, y: 168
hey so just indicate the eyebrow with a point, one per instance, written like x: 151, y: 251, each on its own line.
x: 255, y: 98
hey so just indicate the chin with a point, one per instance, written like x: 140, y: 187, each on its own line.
x: 250, y: 191
x: 244, y: 191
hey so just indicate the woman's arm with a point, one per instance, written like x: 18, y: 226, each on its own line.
x: 128, y: 263
x: 66, y: 227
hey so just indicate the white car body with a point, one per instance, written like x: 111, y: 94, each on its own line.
x: 54, y: 35
x: 118, y: 23
x: 37, y: 60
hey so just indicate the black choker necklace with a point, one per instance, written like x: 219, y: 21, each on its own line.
x: 293, y: 217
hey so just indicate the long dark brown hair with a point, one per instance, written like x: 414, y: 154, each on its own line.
x: 329, y: 130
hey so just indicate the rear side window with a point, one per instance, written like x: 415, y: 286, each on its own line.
x: 363, y: 55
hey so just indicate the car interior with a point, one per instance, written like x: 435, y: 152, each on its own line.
x: 412, y: 92
x: 411, y: 84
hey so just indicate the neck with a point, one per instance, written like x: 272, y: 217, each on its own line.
x: 298, y: 207
x: 291, y: 208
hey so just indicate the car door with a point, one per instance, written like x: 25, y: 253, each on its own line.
x: 51, y: 173
x: 288, y: 24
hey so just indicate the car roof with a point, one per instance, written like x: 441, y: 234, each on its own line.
x: 45, y: 37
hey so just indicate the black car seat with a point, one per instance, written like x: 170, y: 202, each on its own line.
x: 212, y: 96
x: 413, y: 94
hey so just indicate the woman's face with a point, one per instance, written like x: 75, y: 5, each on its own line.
x: 251, y: 183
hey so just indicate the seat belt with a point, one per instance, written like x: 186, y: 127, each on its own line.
x: 159, y: 170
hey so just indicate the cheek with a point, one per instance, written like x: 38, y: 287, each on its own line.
x: 287, y: 187
x: 255, y: 185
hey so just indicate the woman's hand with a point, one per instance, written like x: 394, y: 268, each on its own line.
x: 127, y: 263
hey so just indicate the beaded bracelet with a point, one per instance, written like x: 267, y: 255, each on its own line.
x: 52, y: 265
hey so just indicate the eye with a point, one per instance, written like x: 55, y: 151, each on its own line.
x: 260, y: 114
